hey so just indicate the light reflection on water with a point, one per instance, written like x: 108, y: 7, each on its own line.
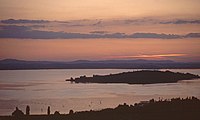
x: 40, y: 88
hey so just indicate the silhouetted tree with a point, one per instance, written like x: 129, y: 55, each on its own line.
x: 27, y: 110
x: 17, y: 112
x: 56, y: 113
x: 48, y: 110
x: 71, y: 112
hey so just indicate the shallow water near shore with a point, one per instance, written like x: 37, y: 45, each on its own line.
x: 42, y: 88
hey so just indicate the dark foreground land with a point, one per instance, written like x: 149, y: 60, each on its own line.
x: 174, y: 109
x: 137, y: 77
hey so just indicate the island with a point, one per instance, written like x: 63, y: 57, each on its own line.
x: 137, y: 77
x: 162, y: 109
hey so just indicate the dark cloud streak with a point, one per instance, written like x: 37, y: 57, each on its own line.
x: 14, y: 31
x: 182, y: 22
x: 98, y: 32
x: 155, y: 35
x: 23, y: 21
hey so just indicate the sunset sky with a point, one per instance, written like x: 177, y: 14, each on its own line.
x: 96, y: 9
x: 67, y: 30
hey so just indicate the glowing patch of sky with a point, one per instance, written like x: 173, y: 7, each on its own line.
x: 100, y: 49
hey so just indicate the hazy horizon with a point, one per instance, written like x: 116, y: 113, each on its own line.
x: 82, y: 60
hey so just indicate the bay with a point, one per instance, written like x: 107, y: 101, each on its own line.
x: 42, y: 88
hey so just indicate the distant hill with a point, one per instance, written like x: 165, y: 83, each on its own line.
x: 14, y: 64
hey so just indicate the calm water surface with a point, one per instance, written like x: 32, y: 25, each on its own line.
x: 42, y: 88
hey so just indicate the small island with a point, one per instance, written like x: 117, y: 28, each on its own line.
x: 137, y: 77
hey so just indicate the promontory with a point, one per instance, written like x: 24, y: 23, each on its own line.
x: 137, y: 77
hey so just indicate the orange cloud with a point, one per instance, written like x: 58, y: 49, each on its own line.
x: 151, y: 56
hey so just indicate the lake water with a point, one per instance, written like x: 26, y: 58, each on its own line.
x: 42, y: 88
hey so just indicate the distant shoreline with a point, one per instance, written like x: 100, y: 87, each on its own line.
x: 101, y: 68
x: 13, y: 64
